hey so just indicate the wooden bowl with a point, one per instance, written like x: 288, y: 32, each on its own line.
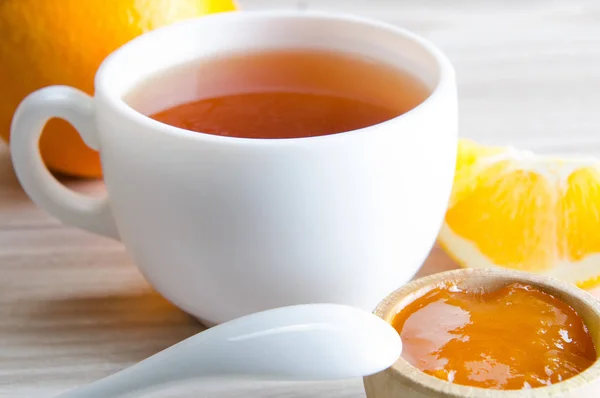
x: 402, y: 380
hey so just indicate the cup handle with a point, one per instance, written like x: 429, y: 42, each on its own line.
x: 70, y: 207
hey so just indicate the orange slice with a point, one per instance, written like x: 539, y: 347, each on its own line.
x: 514, y: 209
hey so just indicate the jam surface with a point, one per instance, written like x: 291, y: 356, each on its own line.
x: 514, y: 338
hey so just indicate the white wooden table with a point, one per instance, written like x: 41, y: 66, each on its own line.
x: 73, y: 307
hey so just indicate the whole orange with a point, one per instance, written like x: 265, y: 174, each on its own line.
x: 45, y: 42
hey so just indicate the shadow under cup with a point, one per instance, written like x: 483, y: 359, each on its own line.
x: 222, y: 226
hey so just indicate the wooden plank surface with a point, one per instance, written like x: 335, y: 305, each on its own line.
x: 73, y: 307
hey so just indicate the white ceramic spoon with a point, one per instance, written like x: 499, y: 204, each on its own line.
x: 306, y: 342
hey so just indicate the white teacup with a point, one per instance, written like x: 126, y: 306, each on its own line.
x: 224, y: 226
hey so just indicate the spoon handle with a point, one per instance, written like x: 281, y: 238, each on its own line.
x: 170, y: 365
x: 116, y: 385
x: 306, y: 342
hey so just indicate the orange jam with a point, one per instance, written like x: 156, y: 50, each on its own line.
x: 514, y: 338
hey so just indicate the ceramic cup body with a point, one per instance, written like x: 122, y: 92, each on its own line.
x: 226, y: 226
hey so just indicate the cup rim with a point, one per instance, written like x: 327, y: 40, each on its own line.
x: 116, y: 103
x: 401, y: 297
